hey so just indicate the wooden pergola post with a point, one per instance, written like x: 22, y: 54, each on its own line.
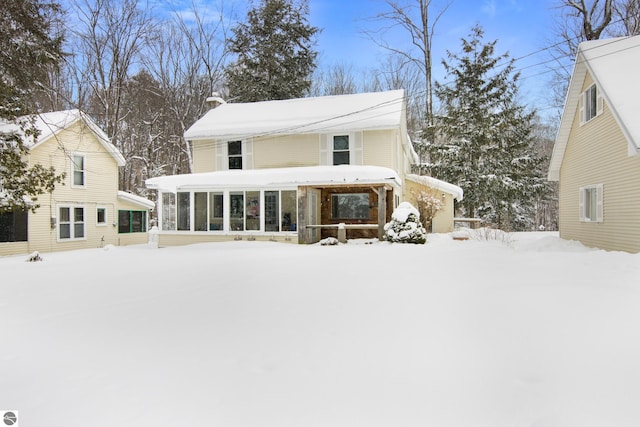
x: 382, y: 211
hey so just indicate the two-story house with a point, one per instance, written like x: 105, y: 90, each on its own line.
x: 86, y: 210
x: 596, y: 157
x: 290, y: 170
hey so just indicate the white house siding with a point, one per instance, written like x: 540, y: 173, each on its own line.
x: 204, y: 155
x: 379, y: 148
x: 101, y: 178
x: 283, y: 151
x: 596, y: 153
x: 11, y: 248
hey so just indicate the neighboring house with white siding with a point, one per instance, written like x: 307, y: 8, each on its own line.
x: 86, y: 210
x: 596, y: 157
x: 290, y: 170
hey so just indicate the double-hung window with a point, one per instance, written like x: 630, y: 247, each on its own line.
x: 591, y: 104
x: 78, y: 170
x: 71, y: 224
x: 591, y: 207
x: 341, y: 150
x: 235, y: 154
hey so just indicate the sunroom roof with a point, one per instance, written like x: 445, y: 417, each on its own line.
x: 276, y: 178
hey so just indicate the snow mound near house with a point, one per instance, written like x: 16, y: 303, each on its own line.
x: 405, y: 226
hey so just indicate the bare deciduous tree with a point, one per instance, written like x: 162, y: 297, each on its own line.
x: 110, y: 38
x: 412, y: 18
x: 338, y: 79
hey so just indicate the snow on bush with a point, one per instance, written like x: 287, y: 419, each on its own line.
x: 34, y: 257
x: 405, y: 226
x: 329, y: 241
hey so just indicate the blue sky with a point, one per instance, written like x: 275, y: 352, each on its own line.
x: 520, y: 26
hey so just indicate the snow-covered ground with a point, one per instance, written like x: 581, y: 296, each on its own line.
x: 540, y: 332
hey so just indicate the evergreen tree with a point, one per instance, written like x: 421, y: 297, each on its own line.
x: 275, y: 56
x: 484, y: 137
x: 27, y: 53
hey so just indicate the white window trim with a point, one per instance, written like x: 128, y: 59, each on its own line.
x: 72, y: 238
x: 106, y: 216
x: 599, y: 203
x: 584, y: 100
x: 350, y: 141
x: 84, y: 170
x: 356, y: 143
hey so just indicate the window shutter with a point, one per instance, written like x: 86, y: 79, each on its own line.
x: 221, y: 156
x: 581, y: 204
x: 357, y: 151
x: 599, y: 102
x: 247, y: 152
x: 600, y: 202
x: 324, y: 150
x: 581, y: 103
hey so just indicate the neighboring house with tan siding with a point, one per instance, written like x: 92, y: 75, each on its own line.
x: 86, y: 210
x: 596, y: 157
x: 290, y: 170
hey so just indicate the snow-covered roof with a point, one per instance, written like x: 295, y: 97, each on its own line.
x: 135, y: 199
x: 613, y: 64
x: 49, y: 124
x: 339, y: 113
x: 274, y: 178
x: 452, y: 189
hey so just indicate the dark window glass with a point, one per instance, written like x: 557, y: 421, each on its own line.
x: 101, y: 216
x: 235, y: 154
x: 271, y: 211
x: 341, y: 150
x: 124, y: 221
x: 13, y: 226
x: 350, y: 206
x: 184, y: 211
x: 236, y: 220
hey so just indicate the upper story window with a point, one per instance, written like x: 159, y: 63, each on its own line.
x: 591, y: 104
x: 78, y: 171
x: 235, y: 154
x: 341, y: 150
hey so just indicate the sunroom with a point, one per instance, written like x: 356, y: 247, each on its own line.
x: 301, y: 204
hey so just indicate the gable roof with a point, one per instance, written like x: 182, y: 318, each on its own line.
x: 613, y: 64
x: 49, y: 124
x: 324, y: 114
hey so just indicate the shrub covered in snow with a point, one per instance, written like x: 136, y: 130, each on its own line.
x: 405, y: 226
x: 329, y: 241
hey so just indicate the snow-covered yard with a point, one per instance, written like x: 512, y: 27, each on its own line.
x: 541, y: 332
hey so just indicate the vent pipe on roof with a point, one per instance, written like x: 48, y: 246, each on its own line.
x: 215, y: 100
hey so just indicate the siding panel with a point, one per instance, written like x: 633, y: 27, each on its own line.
x: 597, y: 154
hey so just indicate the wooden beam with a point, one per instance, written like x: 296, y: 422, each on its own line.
x: 382, y: 211
x: 302, y: 215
